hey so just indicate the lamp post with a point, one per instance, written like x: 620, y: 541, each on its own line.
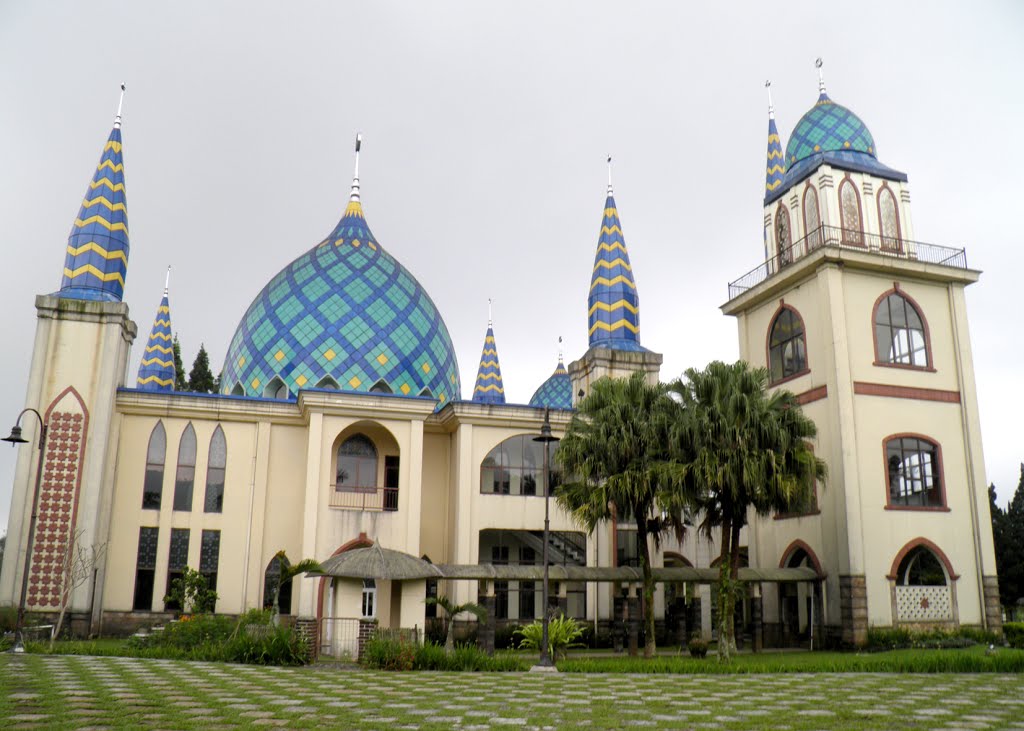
x: 16, y: 438
x: 546, y: 438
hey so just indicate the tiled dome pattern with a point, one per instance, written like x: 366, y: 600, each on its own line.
x: 156, y: 371
x: 828, y: 127
x: 556, y: 392
x: 96, y: 262
x: 613, y: 312
x: 347, y: 311
x: 489, y: 388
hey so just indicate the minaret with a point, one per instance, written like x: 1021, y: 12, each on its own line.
x: 96, y: 263
x: 776, y: 169
x: 156, y: 372
x: 489, y: 388
x: 613, y: 311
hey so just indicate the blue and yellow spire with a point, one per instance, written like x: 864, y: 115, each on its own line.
x: 613, y: 305
x: 156, y: 372
x: 96, y: 263
x: 776, y: 160
x: 489, y: 388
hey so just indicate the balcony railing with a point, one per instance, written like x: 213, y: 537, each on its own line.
x: 839, y: 238
x: 348, y: 497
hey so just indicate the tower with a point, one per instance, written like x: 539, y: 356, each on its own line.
x: 79, y: 359
x: 869, y: 328
x: 489, y: 388
x: 156, y: 371
x: 613, y: 311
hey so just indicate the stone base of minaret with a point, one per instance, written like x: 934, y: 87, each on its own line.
x: 599, y: 362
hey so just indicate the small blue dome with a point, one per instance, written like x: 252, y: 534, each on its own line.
x: 556, y: 392
x: 828, y: 127
x: 344, y: 315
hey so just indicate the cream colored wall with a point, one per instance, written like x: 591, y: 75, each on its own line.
x: 435, y: 508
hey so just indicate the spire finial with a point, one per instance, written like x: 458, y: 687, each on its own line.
x: 120, y: 103
x: 771, y: 106
x: 354, y: 196
x: 490, y: 320
x: 609, y: 182
x: 559, y: 348
x: 818, y: 63
x: 167, y: 281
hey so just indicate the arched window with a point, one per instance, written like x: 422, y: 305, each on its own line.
x: 787, y: 346
x: 914, y: 472
x: 920, y: 567
x: 214, y: 502
x: 516, y: 467
x: 888, y: 220
x: 275, y: 388
x: 812, y: 218
x: 381, y: 386
x: 153, y: 483
x: 327, y: 383
x: 186, y: 474
x: 849, y: 213
x: 923, y: 584
x: 900, y: 335
x: 238, y: 390
x: 357, y: 463
x: 273, y: 590
x: 783, y: 236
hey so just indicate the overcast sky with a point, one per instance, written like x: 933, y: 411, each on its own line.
x: 483, y: 170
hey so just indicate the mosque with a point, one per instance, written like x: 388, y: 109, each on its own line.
x: 341, y: 423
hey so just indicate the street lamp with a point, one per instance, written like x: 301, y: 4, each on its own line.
x: 16, y: 438
x: 546, y: 438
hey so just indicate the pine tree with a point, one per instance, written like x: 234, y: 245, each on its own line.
x: 1010, y: 554
x: 200, y: 378
x: 180, y: 384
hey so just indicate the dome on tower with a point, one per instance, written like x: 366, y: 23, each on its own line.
x: 828, y: 127
x: 556, y: 391
x: 345, y: 315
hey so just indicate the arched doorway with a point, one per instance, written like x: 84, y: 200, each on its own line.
x: 272, y: 587
x: 923, y: 585
x: 800, y: 608
x: 679, y: 595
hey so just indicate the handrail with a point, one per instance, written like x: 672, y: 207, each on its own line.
x: 364, y: 497
x: 835, y: 237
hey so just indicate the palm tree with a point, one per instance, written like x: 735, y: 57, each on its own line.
x: 616, y: 455
x: 288, y: 572
x: 742, y: 449
x: 451, y: 611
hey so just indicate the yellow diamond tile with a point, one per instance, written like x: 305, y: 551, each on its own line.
x: 255, y: 383
x: 442, y: 398
x: 330, y: 354
x: 405, y: 389
x: 356, y: 243
x: 426, y: 368
x: 301, y: 381
x: 382, y: 359
x: 279, y: 355
x: 354, y: 382
x: 372, y: 246
x: 241, y: 361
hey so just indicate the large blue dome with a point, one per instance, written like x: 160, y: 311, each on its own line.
x: 344, y: 315
x: 828, y: 127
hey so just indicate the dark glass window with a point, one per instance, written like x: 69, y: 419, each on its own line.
x: 431, y: 594
x: 914, y: 478
x: 357, y: 463
x: 209, y: 557
x: 787, y: 346
x: 153, y: 485
x: 627, y: 547
x: 527, y: 589
x: 920, y: 567
x: 177, y: 561
x: 516, y: 467
x: 186, y: 474
x: 145, y: 569
x: 272, y: 582
x: 391, y: 482
x: 214, y: 502
x: 899, y: 332
x: 499, y: 557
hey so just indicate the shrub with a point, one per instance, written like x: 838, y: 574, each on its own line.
x: 8, y: 619
x: 191, y: 593
x: 268, y: 646
x: 465, y: 658
x: 563, y: 634
x: 697, y: 646
x: 386, y: 652
x: 504, y: 636
x: 1014, y: 632
x: 190, y: 633
x: 434, y: 630
x: 889, y: 638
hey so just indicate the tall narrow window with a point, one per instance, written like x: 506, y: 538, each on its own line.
x: 214, y: 501
x: 787, y: 346
x: 849, y: 213
x: 145, y: 570
x: 499, y: 557
x: 900, y: 337
x: 186, y: 474
x: 153, y: 484
x: 357, y: 463
x: 527, y: 589
x: 812, y: 219
x: 273, y: 589
x: 783, y: 236
x: 369, y: 604
x: 177, y: 561
x: 391, y: 482
x: 888, y: 220
x: 209, y: 558
x: 914, y: 476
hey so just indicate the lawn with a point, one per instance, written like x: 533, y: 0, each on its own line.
x: 81, y: 691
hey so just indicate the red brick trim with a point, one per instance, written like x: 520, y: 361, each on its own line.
x: 864, y: 388
x: 920, y: 541
x: 815, y: 394
x: 793, y: 547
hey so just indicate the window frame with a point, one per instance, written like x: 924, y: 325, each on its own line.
x: 938, y: 475
x: 188, y: 470
x: 523, y: 469
x: 897, y: 248
x: 813, y: 235
x: 785, y: 255
x: 162, y: 465
x: 849, y: 235
x: 211, y: 474
x: 768, y: 345
x: 897, y: 290
x: 145, y: 568
x: 360, y: 459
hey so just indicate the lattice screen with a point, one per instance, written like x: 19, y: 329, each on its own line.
x: 923, y: 603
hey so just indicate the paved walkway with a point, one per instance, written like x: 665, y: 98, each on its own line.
x: 93, y: 692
